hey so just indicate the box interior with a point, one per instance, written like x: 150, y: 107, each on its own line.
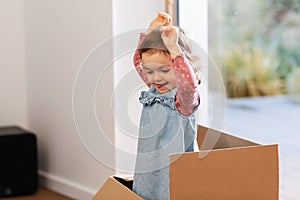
x: 127, y: 182
x: 209, y: 139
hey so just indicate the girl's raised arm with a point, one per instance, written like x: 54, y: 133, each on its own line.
x: 187, y: 97
x: 137, y: 61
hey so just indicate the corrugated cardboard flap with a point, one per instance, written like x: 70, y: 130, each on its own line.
x: 233, y: 169
x: 113, y: 189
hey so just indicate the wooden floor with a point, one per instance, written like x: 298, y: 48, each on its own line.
x: 41, y: 194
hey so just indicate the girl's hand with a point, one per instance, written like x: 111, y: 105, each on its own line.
x: 169, y: 35
x: 162, y: 19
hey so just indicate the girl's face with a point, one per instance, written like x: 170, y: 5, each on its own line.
x: 159, y: 71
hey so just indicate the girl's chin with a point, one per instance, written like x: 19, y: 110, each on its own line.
x: 163, y: 89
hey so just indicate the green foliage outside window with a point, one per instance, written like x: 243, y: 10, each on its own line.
x: 255, y: 43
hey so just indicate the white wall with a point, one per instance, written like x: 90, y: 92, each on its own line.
x: 12, y: 64
x: 59, y: 36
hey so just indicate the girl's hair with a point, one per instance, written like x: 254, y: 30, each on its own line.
x: 153, y: 43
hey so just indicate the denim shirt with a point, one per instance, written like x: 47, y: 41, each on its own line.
x: 163, y: 130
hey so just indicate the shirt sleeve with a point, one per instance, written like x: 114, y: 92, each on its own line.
x: 187, y: 97
x: 137, y: 61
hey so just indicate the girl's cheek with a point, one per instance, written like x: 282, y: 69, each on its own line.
x: 149, y: 77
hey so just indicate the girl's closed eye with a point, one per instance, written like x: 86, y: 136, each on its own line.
x: 165, y: 70
x: 149, y: 71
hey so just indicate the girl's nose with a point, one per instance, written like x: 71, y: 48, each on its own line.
x: 157, y: 77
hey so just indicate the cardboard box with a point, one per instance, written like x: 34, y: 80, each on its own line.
x: 226, y: 167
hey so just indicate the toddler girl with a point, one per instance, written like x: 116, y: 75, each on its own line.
x: 165, y: 61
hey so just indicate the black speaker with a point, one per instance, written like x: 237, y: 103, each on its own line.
x: 18, y: 162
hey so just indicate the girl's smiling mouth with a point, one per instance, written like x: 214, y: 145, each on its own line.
x: 160, y: 85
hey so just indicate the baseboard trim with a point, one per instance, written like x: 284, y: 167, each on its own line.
x: 65, y: 187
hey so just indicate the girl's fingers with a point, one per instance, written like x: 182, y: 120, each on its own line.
x: 166, y: 18
x: 164, y: 15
